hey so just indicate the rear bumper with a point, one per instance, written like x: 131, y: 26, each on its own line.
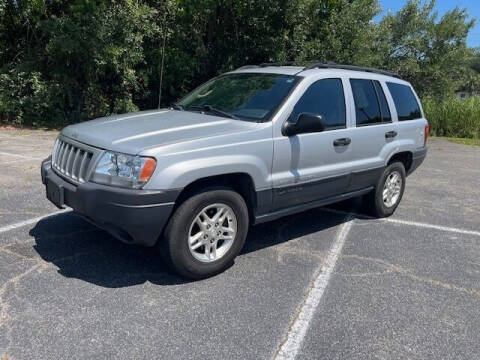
x: 132, y: 216
x: 417, y: 159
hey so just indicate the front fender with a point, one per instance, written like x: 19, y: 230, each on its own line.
x: 180, y: 174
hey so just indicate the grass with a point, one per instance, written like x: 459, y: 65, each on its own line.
x: 454, y: 118
x: 463, y: 141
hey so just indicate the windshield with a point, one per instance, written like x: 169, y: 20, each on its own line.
x: 245, y: 96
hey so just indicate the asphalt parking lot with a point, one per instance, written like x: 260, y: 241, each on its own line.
x: 324, y: 284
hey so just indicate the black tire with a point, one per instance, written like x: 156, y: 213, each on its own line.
x: 374, y: 200
x: 174, y: 245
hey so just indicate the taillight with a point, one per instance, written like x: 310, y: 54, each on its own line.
x: 427, y: 134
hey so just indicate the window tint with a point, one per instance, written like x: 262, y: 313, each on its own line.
x: 247, y: 96
x: 386, y: 117
x: 367, y: 107
x: 405, y: 102
x: 324, y: 97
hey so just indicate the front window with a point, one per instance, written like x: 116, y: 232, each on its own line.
x: 324, y: 97
x: 245, y: 96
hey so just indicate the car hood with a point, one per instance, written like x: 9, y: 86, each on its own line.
x: 134, y: 132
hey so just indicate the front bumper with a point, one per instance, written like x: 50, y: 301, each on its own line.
x: 132, y: 216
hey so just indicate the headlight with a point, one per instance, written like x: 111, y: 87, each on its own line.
x: 124, y: 170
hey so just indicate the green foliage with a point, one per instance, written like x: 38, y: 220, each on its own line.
x: 453, y: 117
x: 68, y: 61
x: 25, y: 98
x: 72, y: 62
x: 430, y: 53
x: 463, y: 141
x: 336, y: 30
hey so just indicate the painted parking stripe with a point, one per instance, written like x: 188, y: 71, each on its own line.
x: 30, y: 221
x: 406, y: 222
x: 432, y: 226
x: 297, y: 331
x: 20, y: 156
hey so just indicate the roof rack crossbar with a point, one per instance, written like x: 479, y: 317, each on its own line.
x: 351, y: 67
x: 284, y: 63
x: 281, y: 63
x: 248, y: 67
x: 325, y: 65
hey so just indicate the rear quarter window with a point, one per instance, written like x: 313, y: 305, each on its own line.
x: 405, y: 102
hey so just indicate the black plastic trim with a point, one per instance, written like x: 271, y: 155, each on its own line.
x: 304, y: 192
x: 365, y: 178
x: 418, y: 157
x: 310, y: 205
x: 132, y: 216
x: 264, y: 201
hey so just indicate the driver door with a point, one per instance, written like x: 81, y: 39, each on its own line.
x: 313, y: 166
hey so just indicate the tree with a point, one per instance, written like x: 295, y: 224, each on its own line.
x: 68, y: 61
x: 81, y: 59
x: 431, y: 53
x: 340, y: 31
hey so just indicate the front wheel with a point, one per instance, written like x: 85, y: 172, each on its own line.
x: 206, y: 233
x: 388, y: 192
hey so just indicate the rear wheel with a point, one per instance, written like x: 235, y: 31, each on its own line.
x: 388, y: 192
x: 206, y: 233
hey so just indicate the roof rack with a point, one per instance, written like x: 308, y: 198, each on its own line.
x: 282, y: 63
x: 285, y: 63
x: 248, y: 67
x: 324, y: 65
x: 329, y: 65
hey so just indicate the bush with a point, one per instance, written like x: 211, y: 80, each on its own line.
x: 64, y: 62
x: 27, y: 100
x: 454, y: 117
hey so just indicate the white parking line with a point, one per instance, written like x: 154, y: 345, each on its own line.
x: 29, y: 221
x: 431, y: 226
x: 294, y: 338
x: 20, y: 156
x: 406, y: 222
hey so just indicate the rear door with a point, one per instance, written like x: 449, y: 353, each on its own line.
x: 375, y: 132
x: 411, y: 122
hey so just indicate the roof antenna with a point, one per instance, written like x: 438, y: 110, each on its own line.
x: 161, y: 74
x: 163, y: 55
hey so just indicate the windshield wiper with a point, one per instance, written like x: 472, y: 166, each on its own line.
x: 213, y: 110
x: 178, y: 107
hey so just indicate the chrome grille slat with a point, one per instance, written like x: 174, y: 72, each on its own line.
x: 71, y: 161
x: 68, y: 166
x: 55, y: 152
x: 82, y: 170
x: 75, y: 161
x: 60, y: 156
x: 63, y: 161
x: 60, y: 153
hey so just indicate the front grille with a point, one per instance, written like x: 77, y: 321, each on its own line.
x: 71, y: 161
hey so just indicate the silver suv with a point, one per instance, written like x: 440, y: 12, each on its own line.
x: 246, y: 147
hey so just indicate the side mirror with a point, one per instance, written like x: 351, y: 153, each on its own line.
x: 306, y: 123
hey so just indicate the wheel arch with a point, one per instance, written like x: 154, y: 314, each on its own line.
x: 405, y: 157
x: 240, y: 182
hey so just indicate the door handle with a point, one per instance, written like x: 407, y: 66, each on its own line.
x: 390, y: 134
x: 342, y: 142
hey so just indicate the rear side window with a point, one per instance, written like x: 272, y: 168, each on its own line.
x: 405, y: 102
x: 367, y: 105
x: 386, y: 117
x: 324, y: 97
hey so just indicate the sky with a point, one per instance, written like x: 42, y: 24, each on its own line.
x: 472, y: 6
